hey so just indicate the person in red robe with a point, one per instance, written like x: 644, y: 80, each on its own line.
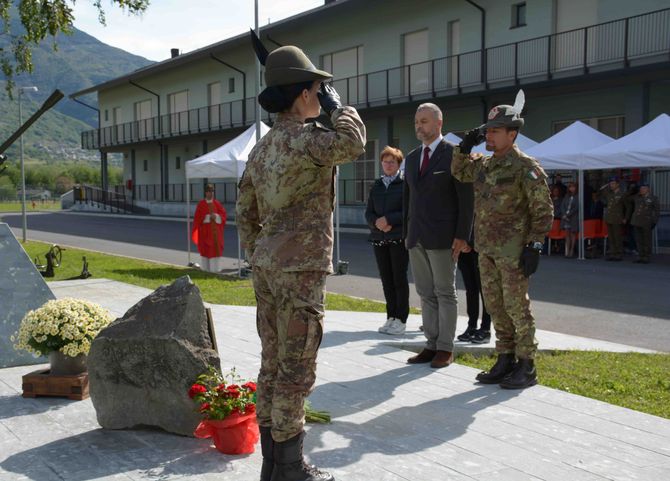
x: 207, y: 233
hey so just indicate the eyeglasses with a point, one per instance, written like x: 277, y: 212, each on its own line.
x: 389, y: 161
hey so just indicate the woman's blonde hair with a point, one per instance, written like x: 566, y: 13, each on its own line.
x: 394, y: 153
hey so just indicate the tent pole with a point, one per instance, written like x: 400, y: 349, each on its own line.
x: 188, y: 218
x: 337, y: 215
x: 237, y: 224
x: 654, y: 233
x: 580, y: 251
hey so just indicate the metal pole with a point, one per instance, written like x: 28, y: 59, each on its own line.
x: 337, y: 215
x: 24, y: 218
x: 580, y: 251
x: 654, y: 233
x: 188, y: 218
x: 257, y: 83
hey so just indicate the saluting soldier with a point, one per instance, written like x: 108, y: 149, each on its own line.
x: 513, y: 213
x: 615, y: 216
x: 285, y: 220
x: 644, y: 218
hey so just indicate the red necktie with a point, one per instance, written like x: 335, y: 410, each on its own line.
x: 424, y: 162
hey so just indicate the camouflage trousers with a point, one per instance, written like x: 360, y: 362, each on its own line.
x: 505, y: 290
x: 289, y: 318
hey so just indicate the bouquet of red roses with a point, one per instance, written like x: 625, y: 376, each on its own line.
x: 228, y: 406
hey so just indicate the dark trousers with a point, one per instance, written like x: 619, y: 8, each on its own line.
x: 392, y: 261
x: 468, y: 264
x: 615, y: 240
x: 643, y: 238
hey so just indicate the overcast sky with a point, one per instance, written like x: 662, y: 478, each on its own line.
x: 183, y: 24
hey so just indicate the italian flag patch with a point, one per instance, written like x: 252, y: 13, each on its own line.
x: 533, y: 174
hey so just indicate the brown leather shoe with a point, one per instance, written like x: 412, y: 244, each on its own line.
x: 442, y: 359
x: 424, y: 356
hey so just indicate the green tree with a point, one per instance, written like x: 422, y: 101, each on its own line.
x: 41, y: 19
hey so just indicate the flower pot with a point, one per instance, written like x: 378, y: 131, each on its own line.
x: 62, y: 365
x: 237, y: 434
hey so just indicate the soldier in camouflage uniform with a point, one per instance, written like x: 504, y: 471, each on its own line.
x: 513, y: 213
x: 616, y: 201
x: 285, y: 220
x: 645, y: 212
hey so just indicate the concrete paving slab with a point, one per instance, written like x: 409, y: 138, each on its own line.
x: 391, y: 421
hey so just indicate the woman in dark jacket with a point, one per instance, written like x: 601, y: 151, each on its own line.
x: 384, y: 217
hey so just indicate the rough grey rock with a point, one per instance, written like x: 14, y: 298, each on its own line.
x: 22, y: 289
x: 141, y: 365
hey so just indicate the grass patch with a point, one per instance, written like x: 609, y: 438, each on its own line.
x: 632, y: 380
x: 15, y: 206
x: 228, y: 290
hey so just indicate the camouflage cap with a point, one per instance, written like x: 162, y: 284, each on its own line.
x: 289, y: 65
x: 503, y: 116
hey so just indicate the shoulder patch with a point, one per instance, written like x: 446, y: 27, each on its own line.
x: 534, y: 173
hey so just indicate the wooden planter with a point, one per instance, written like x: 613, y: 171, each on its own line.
x: 43, y: 383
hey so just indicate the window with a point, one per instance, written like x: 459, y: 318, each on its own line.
x: 178, y: 110
x: 213, y: 100
x: 177, y: 163
x: 142, y: 114
x: 519, y: 15
x: 612, y: 125
x: 146, y: 165
x: 364, y: 171
x: 347, y: 69
x: 106, y: 115
x: 231, y: 85
x: 415, y: 56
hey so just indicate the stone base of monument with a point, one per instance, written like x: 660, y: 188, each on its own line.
x: 42, y: 383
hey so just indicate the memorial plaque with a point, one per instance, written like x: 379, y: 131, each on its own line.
x: 22, y: 289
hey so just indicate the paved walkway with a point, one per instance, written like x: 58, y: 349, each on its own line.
x: 391, y: 421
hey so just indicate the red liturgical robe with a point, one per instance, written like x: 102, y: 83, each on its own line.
x: 209, y: 236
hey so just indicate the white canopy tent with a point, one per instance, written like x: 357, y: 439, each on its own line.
x: 565, y: 151
x: 453, y: 138
x: 523, y: 142
x: 227, y: 161
x: 648, y: 146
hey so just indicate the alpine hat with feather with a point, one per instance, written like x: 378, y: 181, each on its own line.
x: 286, y: 65
x: 507, y: 115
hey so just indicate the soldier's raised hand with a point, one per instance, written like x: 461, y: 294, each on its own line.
x: 329, y: 98
x: 472, y: 139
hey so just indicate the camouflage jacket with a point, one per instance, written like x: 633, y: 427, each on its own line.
x: 512, y: 202
x: 286, y: 199
x: 645, y: 210
x: 616, y: 203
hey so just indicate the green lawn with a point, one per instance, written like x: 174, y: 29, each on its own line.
x: 15, y: 206
x: 636, y: 381
x: 633, y: 380
x: 216, y: 289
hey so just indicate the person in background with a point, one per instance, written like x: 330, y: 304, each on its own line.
x: 615, y: 216
x: 644, y: 216
x: 468, y: 264
x: 384, y: 217
x: 570, y: 219
x: 208, y: 223
x: 558, y: 183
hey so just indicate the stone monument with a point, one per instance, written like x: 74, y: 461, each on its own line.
x: 142, y: 365
x: 22, y: 289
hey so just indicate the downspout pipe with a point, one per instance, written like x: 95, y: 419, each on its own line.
x: 244, y: 85
x: 483, y: 42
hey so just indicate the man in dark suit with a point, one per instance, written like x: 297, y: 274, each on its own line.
x: 438, y: 211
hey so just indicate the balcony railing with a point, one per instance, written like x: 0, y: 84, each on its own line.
x: 616, y: 45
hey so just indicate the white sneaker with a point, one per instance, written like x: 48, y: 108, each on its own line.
x: 397, y: 328
x: 385, y: 327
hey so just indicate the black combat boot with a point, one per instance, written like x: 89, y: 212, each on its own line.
x: 524, y: 375
x: 503, y: 366
x: 291, y: 466
x: 267, y: 447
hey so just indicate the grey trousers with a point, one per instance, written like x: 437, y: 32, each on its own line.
x: 434, y: 274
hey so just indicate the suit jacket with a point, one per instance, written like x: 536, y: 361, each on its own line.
x: 436, y: 207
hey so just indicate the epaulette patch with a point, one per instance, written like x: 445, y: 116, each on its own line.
x: 320, y: 126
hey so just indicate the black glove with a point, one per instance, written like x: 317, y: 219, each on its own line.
x: 472, y: 139
x: 329, y: 98
x: 530, y: 259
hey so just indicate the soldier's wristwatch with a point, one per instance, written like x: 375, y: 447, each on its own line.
x: 536, y: 245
